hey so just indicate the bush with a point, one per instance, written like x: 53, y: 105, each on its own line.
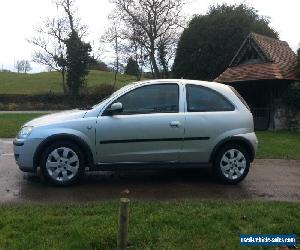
x: 98, y: 93
x: 293, y: 95
x: 132, y: 67
x: 54, y: 101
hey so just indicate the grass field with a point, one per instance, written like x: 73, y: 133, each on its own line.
x: 14, y: 83
x: 11, y: 123
x: 281, y: 144
x: 152, y: 225
x: 277, y: 145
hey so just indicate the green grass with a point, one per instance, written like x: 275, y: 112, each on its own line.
x: 278, y: 145
x: 152, y: 225
x: 14, y: 83
x: 11, y: 123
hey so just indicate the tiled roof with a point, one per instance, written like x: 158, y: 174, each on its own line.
x: 280, y: 62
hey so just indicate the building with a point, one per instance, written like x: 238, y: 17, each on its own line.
x: 261, y: 71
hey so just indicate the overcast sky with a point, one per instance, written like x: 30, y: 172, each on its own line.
x: 19, y: 17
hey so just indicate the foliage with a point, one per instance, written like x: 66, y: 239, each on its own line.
x: 292, y: 96
x: 78, y: 58
x: 145, y: 24
x: 162, y: 56
x: 132, y: 67
x: 97, y: 65
x: 55, y: 101
x: 207, y: 46
x: 23, y: 66
x: 298, y: 63
x: 52, y: 35
x: 5, y: 70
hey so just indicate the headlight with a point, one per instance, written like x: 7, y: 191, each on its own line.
x: 24, y: 132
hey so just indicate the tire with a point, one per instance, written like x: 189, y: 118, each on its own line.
x: 62, y: 163
x: 231, y: 164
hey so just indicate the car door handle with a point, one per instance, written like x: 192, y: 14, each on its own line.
x: 175, y: 124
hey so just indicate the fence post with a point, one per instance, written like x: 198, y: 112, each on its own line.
x: 123, y: 224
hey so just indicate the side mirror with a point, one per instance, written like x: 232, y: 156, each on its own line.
x: 116, y: 108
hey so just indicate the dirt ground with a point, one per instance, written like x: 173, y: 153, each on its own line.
x: 267, y: 180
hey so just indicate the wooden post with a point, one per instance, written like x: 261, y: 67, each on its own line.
x: 123, y: 224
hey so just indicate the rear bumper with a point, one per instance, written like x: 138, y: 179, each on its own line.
x: 24, y: 150
x: 252, y: 139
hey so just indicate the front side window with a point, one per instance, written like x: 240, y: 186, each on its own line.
x: 203, y: 99
x: 156, y: 98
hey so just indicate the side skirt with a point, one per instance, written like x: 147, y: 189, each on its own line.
x: 148, y: 166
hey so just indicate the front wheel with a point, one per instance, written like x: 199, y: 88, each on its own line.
x: 62, y: 163
x: 232, y: 164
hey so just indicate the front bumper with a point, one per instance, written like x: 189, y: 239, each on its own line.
x: 24, y: 150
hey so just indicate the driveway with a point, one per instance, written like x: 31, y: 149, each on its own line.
x: 267, y: 180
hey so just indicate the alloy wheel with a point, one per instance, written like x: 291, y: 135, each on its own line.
x: 233, y: 164
x: 62, y: 164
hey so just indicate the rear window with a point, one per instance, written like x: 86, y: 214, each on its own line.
x: 203, y: 99
x: 240, y: 97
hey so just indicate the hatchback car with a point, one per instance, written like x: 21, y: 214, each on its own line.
x: 149, y: 124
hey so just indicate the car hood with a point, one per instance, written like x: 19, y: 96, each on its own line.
x: 57, y: 117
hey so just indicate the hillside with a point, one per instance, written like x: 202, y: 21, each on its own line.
x: 20, y: 83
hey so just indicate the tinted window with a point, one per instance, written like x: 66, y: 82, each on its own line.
x: 202, y: 99
x: 240, y: 97
x: 156, y: 98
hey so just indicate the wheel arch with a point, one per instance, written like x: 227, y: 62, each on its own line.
x: 233, y: 139
x: 67, y: 137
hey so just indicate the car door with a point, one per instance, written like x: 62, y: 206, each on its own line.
x: 208, y: 115
x: 149, y: 129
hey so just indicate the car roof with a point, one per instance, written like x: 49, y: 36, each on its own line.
x: 213, y: 85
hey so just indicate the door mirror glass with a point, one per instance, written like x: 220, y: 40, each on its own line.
x: 116, y: 108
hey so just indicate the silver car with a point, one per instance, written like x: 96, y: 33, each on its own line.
x: 149, y: 124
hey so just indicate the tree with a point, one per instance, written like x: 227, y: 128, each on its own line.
x: 23, y: 66
x: 51, y: 51
x: 113, y: 36
x: 77, y: 61
x: 27, y: 66
x: 132, y: 67
x: 19, y: 66
x: 298, y: 63
x: 51, y: 38
x: 132, y: 48
x: 5, y: 70
x: 292, y: 96
x: 155, y: 21
x: 96, y: 64
x: 207, y: 46
x: 162, y: 54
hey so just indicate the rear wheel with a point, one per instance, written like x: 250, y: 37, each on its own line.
x: 232, y: 163
x: 62, y: 163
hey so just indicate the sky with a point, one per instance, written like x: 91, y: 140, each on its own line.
x: 18, y: 18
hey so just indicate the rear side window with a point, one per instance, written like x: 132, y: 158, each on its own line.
x: 240, y: 97
x: 202, y: 99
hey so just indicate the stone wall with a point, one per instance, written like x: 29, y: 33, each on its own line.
x: 285, y: 117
